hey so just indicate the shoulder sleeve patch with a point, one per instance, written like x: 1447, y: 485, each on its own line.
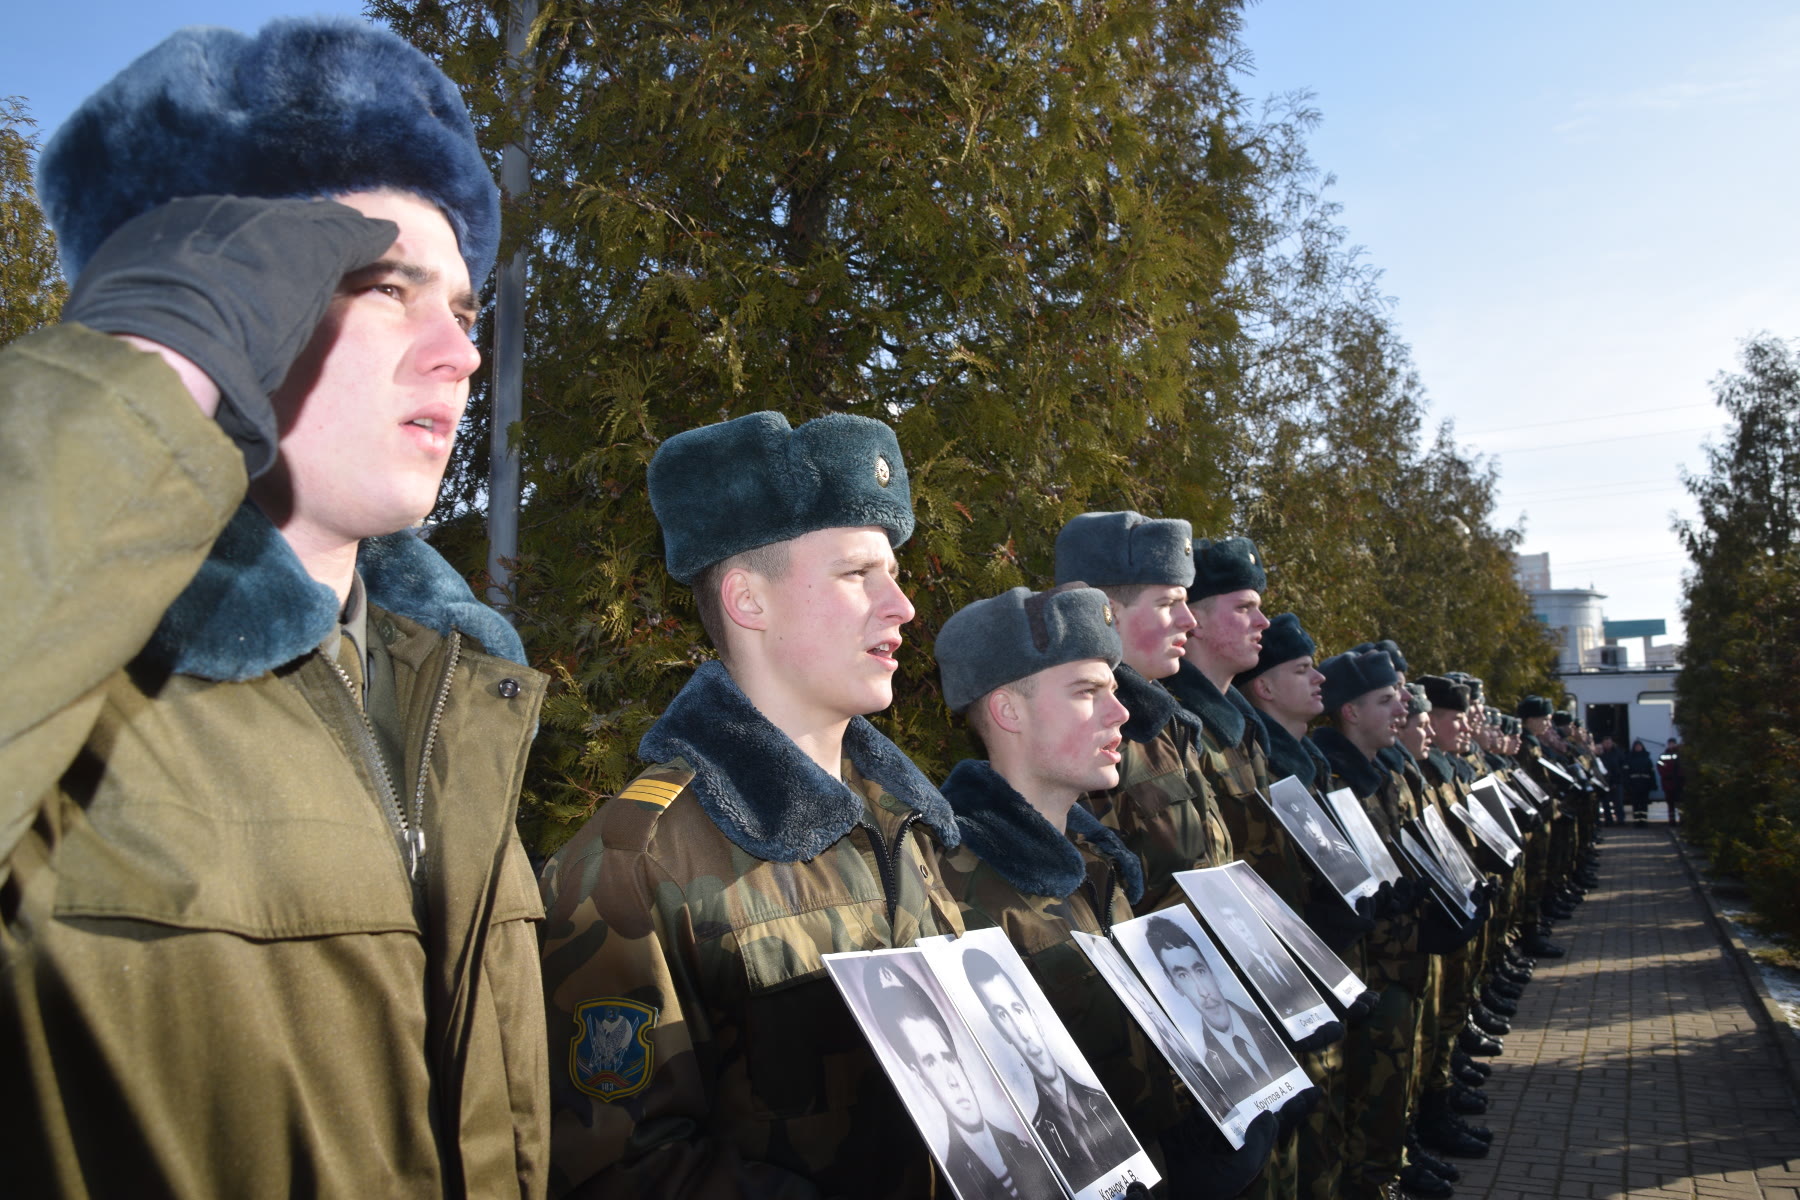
x: 611, y: 1055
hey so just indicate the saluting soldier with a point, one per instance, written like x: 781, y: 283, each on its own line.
x: 1033, y: 675
x: 697, y: 1045
x: 266, y: 926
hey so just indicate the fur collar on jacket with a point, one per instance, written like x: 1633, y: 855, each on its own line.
x: 252, y: 607
x: 1351, y: 764
x: 1150, y: 705
x: 760, y: 789
x: 1223, y: 719
x: 1289, y: 755
x: 1012, y: 837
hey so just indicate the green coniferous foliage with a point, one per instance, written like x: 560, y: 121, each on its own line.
x: 31, y: 282
x: 1006, y: 229
x: 1738, y: 699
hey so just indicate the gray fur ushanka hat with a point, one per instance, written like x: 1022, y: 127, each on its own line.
x: 1003, y: 639
x: 1354, y: 674
x: 722, y: 489
x: 306, y: 107
x: 1444, y: 692
x: 1116, y: 549
x: 1283, y: 641
x: 1226, y: 565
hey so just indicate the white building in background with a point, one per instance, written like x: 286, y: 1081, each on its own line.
x: 1630, y: 696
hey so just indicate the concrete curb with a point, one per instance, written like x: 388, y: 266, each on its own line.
x: 1773, y: 1021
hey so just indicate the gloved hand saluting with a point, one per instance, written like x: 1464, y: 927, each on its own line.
x: 236, y: 285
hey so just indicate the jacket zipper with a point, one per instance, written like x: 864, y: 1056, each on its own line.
x: 409, y: 828
x: 884, y: 861
x: 390, y: 795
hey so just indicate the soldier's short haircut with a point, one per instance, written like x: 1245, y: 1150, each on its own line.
x: 895, y: 996
x: 1163, y: 935
x: 977, y: 713
x: 1124, y: 595
x: 770, y: 561
x: 981, y: 968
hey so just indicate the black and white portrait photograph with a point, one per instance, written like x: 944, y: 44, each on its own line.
x: 1320, y: 839
x: 1073, y: 1120
x: 1478, y: 821
x: 1363, y: 835
x: 1187, y: 973
x: 1330, y: 971
x: 1255, y: 950
x: 944, y: 1080
x: 1449, y: 850
x: 1487, y: 793
x: 1455, y: 900
x: 1207, y: 1091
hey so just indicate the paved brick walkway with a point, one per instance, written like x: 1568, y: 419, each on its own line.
x: 1635, y: 1067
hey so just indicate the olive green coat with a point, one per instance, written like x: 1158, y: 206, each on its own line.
x: 215, y: 976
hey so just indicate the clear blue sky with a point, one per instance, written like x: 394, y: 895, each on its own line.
x: 1581, y: 208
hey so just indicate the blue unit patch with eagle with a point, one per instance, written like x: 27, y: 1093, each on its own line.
x: 610, y: 1056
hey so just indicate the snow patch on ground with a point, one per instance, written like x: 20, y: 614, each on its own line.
x: 1783, y: 982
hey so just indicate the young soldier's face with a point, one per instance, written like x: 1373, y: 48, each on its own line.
x: 1070, y: 724
x: 1376, y: 712
x: 833, y: 628
x: 1415, y: 734
x: 1013, y: 1018
x: 369, y: 411
x: 1154, y: 630
x: 1291, y: 690
x: 1450, y: 730
x: 1228, y: 630
x: 942, y: 1072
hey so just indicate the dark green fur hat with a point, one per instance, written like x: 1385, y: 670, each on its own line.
x: 1444, y: 692
x: 1226, y: 565
x: 1000, y: 640
x: 1283, y: 641
x: 306, y: 107
x: 722, y: 489
x: 1416, y: 700
x: 1350, y: 675
x: 1110, y: 549
x: 1533, y: 706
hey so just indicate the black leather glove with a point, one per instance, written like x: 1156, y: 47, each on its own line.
x: 236, y: 285
x: 1335, y: 924
x: 1409, y: 894
x: 1318, y: 1039
x: 1298, y: 1109
x: 1201, y: 1163
x: 1360, y: 1008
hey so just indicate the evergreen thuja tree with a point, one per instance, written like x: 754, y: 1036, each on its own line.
x: 1005, y: 229
x: 31, y: 282
x: 1737, y: 697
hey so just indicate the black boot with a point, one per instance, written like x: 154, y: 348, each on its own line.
x: 1460, y: 1059
x: 1496, y: 1003
x: 1477, y: 1044
x: 1505, y: 988
x: 1466, y: 1101
x: 1416, y: 1181
x: 1538, y: 945
x: 1492, y: 1024
x: 1416, y: 1152
x: 1441, y: 1132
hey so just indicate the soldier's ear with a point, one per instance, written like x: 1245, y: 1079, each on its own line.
x: 1005, y: 710
x: 742, y: 598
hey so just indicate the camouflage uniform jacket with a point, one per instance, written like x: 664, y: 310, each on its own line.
x: 697, y: 1046
x: 1235, y: 764
x: 1015, y: 871
x: 1162, y: 805
x: 1391, y: 951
